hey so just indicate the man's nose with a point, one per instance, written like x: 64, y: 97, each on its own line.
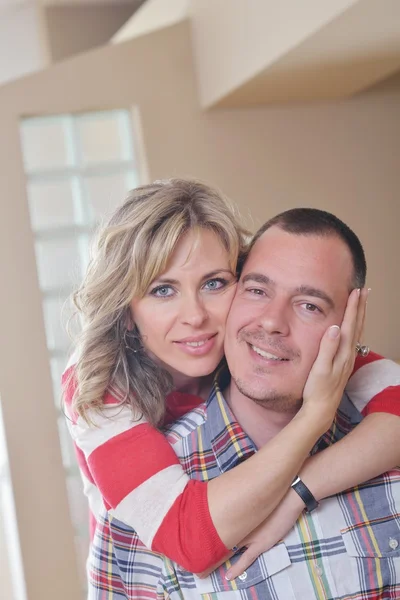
x: 274, y: 318
x: 193, y: 311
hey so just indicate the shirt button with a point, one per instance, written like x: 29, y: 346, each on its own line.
x: 243, y: 576
x: 318, y: 570
x: 393, y: 543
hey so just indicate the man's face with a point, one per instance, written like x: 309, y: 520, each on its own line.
x: 291, y: 290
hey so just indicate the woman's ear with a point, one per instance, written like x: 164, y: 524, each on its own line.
x: 129, y: 322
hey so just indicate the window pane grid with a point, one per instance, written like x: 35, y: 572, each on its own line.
x: 78, y: 167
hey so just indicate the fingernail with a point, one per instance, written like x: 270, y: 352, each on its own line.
x: 228, y: 575
x: 334, y: 331
x: 368, y: 291
x: 358, y: 292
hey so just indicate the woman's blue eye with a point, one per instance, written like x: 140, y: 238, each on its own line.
x: 215, y: 284
x: 162, y: 291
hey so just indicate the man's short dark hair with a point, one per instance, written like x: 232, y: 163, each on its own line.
x: 312, y: 221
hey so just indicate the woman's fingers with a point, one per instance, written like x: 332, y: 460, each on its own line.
x: 206, y: 573
x: 348, y: 327
x: 246, y: 559
x: 319, y: 380
x: 362, y: 310
x: 352, y: 328
x: 328, y: 348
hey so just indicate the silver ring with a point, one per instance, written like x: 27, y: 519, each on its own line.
x: 362, y: 350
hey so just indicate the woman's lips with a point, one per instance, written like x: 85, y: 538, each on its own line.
x: 197, y: 345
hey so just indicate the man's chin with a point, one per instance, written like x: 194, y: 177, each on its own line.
x: 271, y: 398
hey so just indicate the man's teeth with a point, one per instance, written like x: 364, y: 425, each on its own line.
x: 266, y: 354
x: 196, y: 344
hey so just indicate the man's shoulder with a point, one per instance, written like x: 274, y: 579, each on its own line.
x: 187, y: 424
x: 197, y: 418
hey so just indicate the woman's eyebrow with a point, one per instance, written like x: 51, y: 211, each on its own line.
x: 217, y: 272
x: 168, y: 280
x: 164, y: 281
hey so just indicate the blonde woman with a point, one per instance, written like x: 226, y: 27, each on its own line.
x: 153, y: 304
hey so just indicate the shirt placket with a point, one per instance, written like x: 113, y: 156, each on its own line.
x: 317, y: 565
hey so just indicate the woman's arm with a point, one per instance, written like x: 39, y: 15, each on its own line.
x: 369, y: 450
x: 143, y: 484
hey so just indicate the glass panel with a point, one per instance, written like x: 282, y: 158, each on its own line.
x: 101, y: 137
x: 105, y: 192
x: 55, y: 324
x: 57, y: 366
x: 59, y: 262
x: 46, y: 143
x: 54, y: 203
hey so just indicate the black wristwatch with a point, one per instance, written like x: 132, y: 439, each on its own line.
x: 302, y: 490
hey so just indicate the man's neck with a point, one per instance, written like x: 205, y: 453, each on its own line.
x: 259, y: 422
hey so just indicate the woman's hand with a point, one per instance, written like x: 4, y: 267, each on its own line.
x: 269, y: 533
x: 321, y: 397
x: 335, y: 361
x: 266, y: 535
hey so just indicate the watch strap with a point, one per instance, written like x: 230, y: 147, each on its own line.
x: 302, y: 490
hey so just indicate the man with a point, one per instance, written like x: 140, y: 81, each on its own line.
x: 294, y: 285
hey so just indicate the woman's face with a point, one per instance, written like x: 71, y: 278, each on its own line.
x: 182, y: 316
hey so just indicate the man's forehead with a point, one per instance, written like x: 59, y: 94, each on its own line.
x: 312, y: 261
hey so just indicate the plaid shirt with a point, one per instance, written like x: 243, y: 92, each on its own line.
x: 348, y: 548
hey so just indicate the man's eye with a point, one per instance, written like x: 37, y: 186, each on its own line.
x: 215, y: 284
x: 162, y: 291
x: 311, y: 307
x: 256, y: 291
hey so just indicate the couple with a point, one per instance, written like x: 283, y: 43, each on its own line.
x: 154, y: 304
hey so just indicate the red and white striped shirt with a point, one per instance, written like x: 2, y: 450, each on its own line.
x: 129, y: 468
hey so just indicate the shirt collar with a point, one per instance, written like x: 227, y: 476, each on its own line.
x: 230, y: 444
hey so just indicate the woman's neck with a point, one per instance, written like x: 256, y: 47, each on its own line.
x: 197, y: 386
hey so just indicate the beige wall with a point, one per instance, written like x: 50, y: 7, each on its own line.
x: 23, y: 44
x: 153, y: 15
x: 234, y: 41
x: 342, y: 157
x: 75, y: 29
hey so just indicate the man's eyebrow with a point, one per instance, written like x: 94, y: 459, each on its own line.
x: 257, y: 278
x: 308, y: 290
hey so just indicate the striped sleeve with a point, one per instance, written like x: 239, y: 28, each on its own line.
x: 375, y: 385
x: 130, y: 467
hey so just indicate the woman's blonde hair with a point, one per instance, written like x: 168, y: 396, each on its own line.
x: 130, y: 252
